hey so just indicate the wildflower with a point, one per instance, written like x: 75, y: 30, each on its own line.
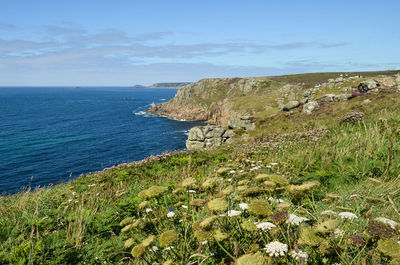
x: 184, y: 206
x: 254, y: 259
x: 348, y: 215
x: 126, y: 221
x: 197, y: 202
x: 275, y: 200
x: 260, y: 208
x: 243, y: 206
x: 276, y: 249
x: 295, y: 220
x: 73, y: 193
x: 211, y: 183
x: 273, y: 164
x: 169, y: 248
x: 154, y: 249
x: 380, y: 229
x: 189, y: 183
x: 265, y: 226
x: 129, y: 243
x: 389, y: 247
x: 170, y: 214
x: 191, y: 191
x: 358, y: 241
x: 204, y: 242
x: 388, y: 222
x: 338, y: 233
x: 233, y: 213
x: 217, y: 205
x: 299, y: 255
x: 167, y: 238
x: 309, y: 236
x: 208, y: 222
x: 148, y: 210
x: 152, y: 192
x: 232, y: 171
x: 279, y: 180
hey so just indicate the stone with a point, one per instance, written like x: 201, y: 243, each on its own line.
x: 244, y: 123
x: 309, y: 107
x: 366, y: 101
x: 291, y: 105
x: 368, y: 85
x: 196, y: 134
x: 326, y: 98
x: 343, y: 97
x: 208, y: 136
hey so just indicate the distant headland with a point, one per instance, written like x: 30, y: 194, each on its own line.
x: 175, y: 85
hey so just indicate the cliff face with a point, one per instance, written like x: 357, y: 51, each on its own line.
x: 211, y: 99
x: 218, y: 100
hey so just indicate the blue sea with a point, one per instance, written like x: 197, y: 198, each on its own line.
x: 50, y: 135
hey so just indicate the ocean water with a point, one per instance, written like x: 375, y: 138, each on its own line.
x: 52, y: 135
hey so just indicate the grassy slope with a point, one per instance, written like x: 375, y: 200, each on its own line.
x: 78, y: 222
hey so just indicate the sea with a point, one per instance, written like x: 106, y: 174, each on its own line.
x: 49, y: 135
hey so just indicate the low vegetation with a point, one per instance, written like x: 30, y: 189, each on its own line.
x: 301, y: 189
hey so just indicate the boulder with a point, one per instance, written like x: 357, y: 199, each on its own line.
x: 208, y: 136
x: 309, y: 107
x: 343, y: 97
x: 368, y: 85
x: 291, y: 105
x: 245, y: 123
x: 196, y: 134
x: 326, y: 98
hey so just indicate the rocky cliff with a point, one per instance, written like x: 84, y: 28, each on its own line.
x: 219, y: 100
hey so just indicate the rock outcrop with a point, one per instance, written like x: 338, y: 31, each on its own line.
x: 245, y: 123
x: 208, y: 136
x: 291, y: 105
x: 310, y: 106
x: 368, y: 85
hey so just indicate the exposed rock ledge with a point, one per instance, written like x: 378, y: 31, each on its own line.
x: 208, y: 136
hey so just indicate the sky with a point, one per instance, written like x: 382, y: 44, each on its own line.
x: 128, y: 42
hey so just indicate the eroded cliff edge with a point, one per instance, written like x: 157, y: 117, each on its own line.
x: 219, y: 100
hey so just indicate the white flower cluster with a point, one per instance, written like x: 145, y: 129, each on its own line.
x: 233, y: 213
x: 275, y: 200
x: 298, y: 255
x: 348, y: 215
x: 295, y: 220
x: 265, y: 226
x: 148, y: 210
x: 243, y: 206
x: 338, y: 233
x: 170, y: 214
x: 276, y: 249
x: 387, y: 221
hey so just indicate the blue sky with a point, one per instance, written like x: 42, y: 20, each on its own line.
x: 121, y: 42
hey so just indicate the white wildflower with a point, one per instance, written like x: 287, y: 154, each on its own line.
x: 230, y: 179
x: 241, y: 171
x: 352, y: 196
x: 148, y: 210
x: 295, y: 220
x: 298, y: 255
x: 329, y: 212
x: 70, y: 200
x: 265, y: 226
x: 233, y: 213
x: 191, y: 191
x: 232, y: 171
x: 276, y: 249
x: 170, y: 214
x: 154, y: 249
x: 243, y: 206
x: 204, y: 242
x: 222, y: 215
x: 91, y: 185
x: 387, y: 221
x: 73, y: 193
x: 184, y: 206
x: 348, y: 215
x: 168, y: 248
x: 338, y: 233
x: 268, y: 166
x: 273, y: 164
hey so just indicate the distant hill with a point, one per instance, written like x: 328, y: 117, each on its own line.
x: 164, y: 85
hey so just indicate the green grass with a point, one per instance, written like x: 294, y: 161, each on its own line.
x: 328, y: 165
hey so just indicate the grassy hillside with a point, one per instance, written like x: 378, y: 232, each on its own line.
x: 301, y: 189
